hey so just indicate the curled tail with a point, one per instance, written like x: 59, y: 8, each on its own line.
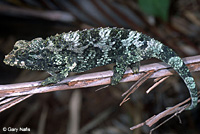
x: 166, y: 54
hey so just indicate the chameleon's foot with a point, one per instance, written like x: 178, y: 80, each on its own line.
x: 135, y: 70
x: 49, y: 80
x: 53, y: 79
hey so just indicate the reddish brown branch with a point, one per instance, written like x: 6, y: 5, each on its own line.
x: 93, y: 79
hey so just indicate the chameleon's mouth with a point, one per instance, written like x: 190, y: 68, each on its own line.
x: 10, y: 60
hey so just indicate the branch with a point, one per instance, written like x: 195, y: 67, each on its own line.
x: 93, y: 79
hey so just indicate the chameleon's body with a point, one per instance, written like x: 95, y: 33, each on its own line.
x: 82, y: 50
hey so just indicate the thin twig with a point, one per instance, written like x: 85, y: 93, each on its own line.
x: 14, y: 102
x: 102, y: 88
x: 6, y: 100
x: 175, y: 114
x: 177, y: 109
x: 136, y: 85
x: 156, y: 84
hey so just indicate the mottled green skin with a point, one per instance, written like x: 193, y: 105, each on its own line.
x: 83, y: 50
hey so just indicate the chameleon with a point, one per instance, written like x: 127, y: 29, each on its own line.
x: 79, y: 51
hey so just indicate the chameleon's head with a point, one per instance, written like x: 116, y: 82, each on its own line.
x: 25, y: 54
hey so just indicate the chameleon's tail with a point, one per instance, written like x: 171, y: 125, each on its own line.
x: 167, y: 55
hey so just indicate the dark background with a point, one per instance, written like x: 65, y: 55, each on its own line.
x: 175, y: 23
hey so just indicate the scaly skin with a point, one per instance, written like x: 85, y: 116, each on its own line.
x: 83, y: 50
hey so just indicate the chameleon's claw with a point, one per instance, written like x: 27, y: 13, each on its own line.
x: 135, y: 67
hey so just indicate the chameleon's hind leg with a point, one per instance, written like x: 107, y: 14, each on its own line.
x: 119, y: 70
x: 135, y: 67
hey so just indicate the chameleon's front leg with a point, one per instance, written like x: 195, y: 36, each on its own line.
x: 56, y: 77
x: 120, y: 69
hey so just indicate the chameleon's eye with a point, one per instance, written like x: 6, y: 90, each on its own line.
x: 15, y: 48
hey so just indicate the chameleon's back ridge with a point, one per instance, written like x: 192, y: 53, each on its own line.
x: 79, y: 51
